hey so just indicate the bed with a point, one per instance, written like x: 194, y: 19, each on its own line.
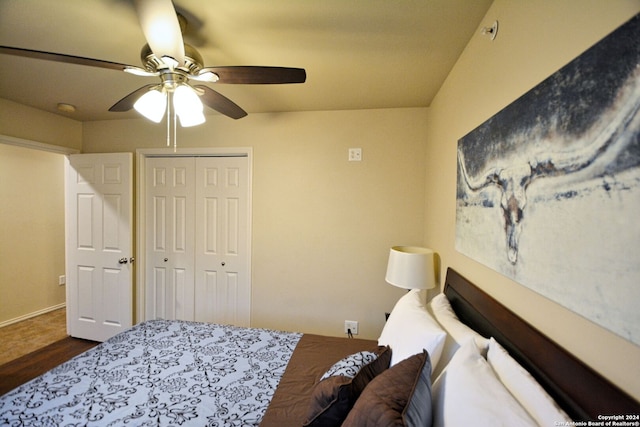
x: 417, y: 373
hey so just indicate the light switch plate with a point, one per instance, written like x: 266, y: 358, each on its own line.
x: 355, y: 154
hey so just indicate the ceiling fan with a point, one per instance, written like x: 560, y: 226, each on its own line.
x: 178, y: 65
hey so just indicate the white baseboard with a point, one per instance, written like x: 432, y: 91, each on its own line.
x: 30, y: 315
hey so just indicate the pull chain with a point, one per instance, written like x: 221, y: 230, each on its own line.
x: 168, y: 119
x: 171, y: 116
x: 175, y: 131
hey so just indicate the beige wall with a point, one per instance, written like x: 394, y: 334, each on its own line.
x: 322, y: 226
x: 32, y: 209
x: 20, y: 121
x: 31, y: 231
x: 535, y: 39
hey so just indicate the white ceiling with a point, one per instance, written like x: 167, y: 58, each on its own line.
x: 358, y: 54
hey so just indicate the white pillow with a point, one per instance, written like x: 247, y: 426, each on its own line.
x: 457, y: 332
x: 524, y: 387
x: 410, y: 329
x: 468, y: 393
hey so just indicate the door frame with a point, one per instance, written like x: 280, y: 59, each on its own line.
x: 35, y: 145
x: 140, y: 203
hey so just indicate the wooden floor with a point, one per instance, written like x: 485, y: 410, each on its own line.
x: 27, y: 367
x: 33, y: 346
x: 26, y: 336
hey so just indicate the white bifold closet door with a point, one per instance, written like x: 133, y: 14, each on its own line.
x: 197, y: 221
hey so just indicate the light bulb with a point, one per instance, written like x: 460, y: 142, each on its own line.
x: 152, y: 105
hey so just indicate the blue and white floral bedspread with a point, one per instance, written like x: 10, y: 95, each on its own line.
x: 159, y: 373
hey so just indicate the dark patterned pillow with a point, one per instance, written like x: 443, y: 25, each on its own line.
x: 400, y: 396
x: 350, y: 365
x: 333, y: 397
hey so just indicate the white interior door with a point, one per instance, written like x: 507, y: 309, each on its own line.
x: 223, y: 294
x: 170, y: 237
x: 99, y: 244
x: 197, y: 239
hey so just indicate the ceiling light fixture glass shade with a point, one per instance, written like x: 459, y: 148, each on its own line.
x: 188, y: 106
x: 152, y: 105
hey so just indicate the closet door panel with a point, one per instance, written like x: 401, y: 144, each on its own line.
x: 170, y: 237
x: 222, y: 259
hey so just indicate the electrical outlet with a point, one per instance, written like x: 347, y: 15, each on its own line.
x: 351, y: 324
x: 355, y: 154
x: 62, y: 280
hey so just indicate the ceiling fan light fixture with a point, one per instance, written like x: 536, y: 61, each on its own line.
x: 191, y: 119
x: 152, y: 105
x: 177, y: 64
x: 188, y: 106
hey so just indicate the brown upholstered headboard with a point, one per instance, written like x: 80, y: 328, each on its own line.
x: 579, y: 390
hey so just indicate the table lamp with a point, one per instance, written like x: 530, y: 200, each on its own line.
x: 411, y: 267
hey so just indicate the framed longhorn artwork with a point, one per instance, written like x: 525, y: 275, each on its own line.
x: 548, y: 189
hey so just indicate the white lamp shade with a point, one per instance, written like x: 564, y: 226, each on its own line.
x: 411, y: 267
x: 188, y: 106
x: 192, y: 119
x: 152, y: 105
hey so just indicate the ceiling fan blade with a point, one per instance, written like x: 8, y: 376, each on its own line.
x: 221, y: 103
x: 60, y: 57
x: 161, y: 28
x: 126, y: 103
x: 258, y: 75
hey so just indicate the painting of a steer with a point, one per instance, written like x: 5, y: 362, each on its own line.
x: 554, y: 177
x: 613, y: 132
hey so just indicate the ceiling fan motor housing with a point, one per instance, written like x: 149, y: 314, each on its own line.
x: 193, y: 61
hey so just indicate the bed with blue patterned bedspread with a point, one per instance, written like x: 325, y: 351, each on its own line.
x: 160, y: 373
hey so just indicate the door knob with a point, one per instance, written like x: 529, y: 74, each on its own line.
x: 166, y: 259
x: 123, y: 261
x: 223, y: 263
